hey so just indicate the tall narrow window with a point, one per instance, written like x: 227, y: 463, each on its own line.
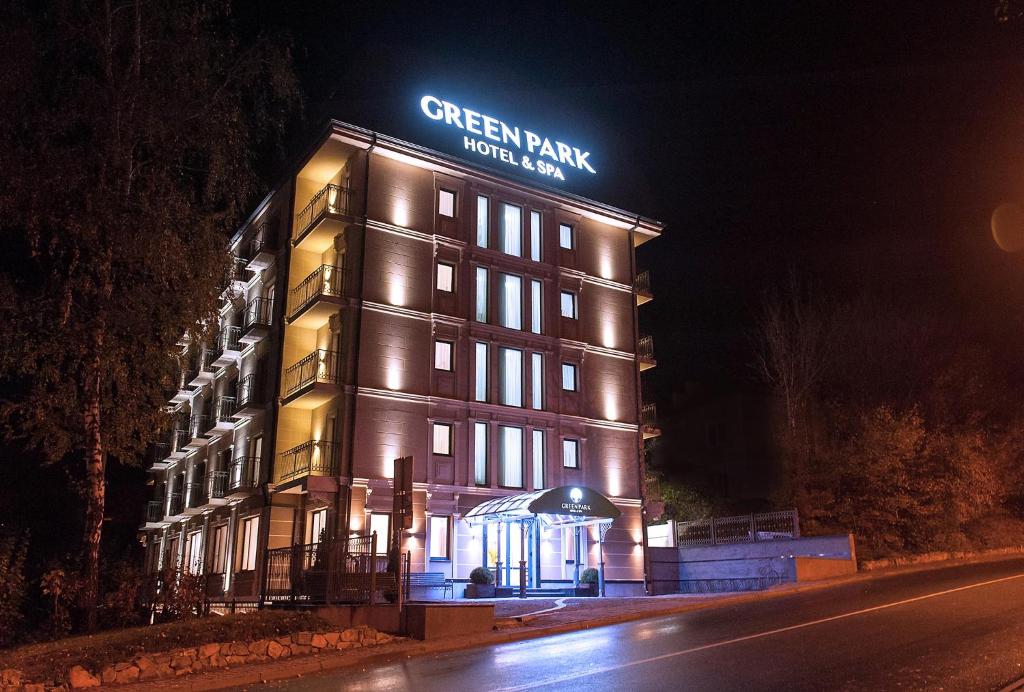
x: 568, y: 304
x: 194, y: 552
x: 565, y: 239
x: 510, y: 443
x: 250, y: 539
x: 480, y: 374
x: 511, y: 364
x: 511, y: 313
x: 482, y: 206
x: 480, y: 453
x: 220, y: 534
x: 538, y: 459
x: 536, y: 305
x: 380, y: 523
x: 442, y: 355
x: 511, y: 230
x: 571, y: 454
x: 318, y: 526
x: 569, y: 383
x: 446, y: 203
x: 438, y: 528
x: 442, y: 443
x: 481, y: 294
x: 445, y: 277
x: 535, y: 236
x: 537, y: 381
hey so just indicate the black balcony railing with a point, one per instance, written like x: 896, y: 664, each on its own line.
x: 204, y: 360
x: 642, y: 284
x: 216, y: 484
x: 319, y: 366
x: 244, y: 473
x: 326, y: 280
x: 236, y: 270
x: 649, y: 417
x: 260, y: 242
x: 224, y: 409
x: 155, y: 510
x: 333, y: 199
x: 157, y: 452
x: 195, y: 494
x: 178, y: 437
x: 250, y: 390
x: 645, y: 349
x: 258, y: 313
x: 174, y: 504
x: 198, y: 426
x: 227, y: 340
x: 310, y: 458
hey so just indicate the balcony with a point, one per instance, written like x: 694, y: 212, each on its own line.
x: 313, y: 458
x: 223, y: 414
x: 198, y: 429
x: 216, y: 487
x: 195, y: 497
x: 203, y: 372
x: 155, y: 514
x: 645, y: 353
x: 227, y: 347
x: 312, y: 381
x: 642, y: 288
x: 323, y: 218
x: 156, y: 455
x: 649, y: 421
x: 174, y: 507
x: 260, y: 253
x: 244, y: 477
x: 258, y: 315
x: 252, y: 398
x: 313, y: 301
x: 235, y: 278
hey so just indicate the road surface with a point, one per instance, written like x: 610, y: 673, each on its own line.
x: 955, y: 628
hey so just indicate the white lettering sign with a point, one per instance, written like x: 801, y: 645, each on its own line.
x: 508, y: 144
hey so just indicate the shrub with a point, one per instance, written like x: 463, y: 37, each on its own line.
x: 589, y: 576
x: 12, y: 585
x: 481, y: 575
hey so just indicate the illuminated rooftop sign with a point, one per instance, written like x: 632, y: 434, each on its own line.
x: 495, y: 139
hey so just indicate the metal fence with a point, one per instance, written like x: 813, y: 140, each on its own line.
x: 344, y: 570
x: 749, y: 528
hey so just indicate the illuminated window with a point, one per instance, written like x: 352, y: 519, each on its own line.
x: 538, y: 459
x: 510, y: 362
x: 482, y: 206
x: 565, y: 236
x: 446, y: 203
x: 445, y: 277
x: 535, y: 236
x: 571, y: 454
x: 511, y: 307
x: 537, y: 381
x: 480, y: 453
x: 480, y: 374
x: 380, y: 523
x: 568, y: 304
x: 569, y: 377
x: 442, y: 439
x: 511, y: 230
x: 194, y: 552
x: 536, y: 305
x: 250, y: 539
x: 219, y: 539
x: 481, y: 294
x: 510, y: 448
x: 439, y: 537
x: 318, y: 525
x: 442, y: 355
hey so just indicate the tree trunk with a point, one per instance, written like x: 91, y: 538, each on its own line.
x: 95, y: 490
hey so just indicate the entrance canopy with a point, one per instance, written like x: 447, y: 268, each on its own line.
x: 569, y: 505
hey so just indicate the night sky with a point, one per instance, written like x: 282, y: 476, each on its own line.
x: 862, y: 148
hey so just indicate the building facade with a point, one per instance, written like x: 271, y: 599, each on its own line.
x: 391, y: 301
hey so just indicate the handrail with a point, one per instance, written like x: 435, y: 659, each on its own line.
x: 325, y: 280
x: 227, y: 340
x: 258, y: 312
x: 248, y: 390
x: 196, y: 494
x: 244, y: 472
x: 332, y: 199
x: 645, y: 348
x: 197, y: 426
x: 649, y: 416
x: 155, y: 510
x: 216, y: 484
x: 224, y: 408
x: 318, y: 366
x: 642, y: 283
x: 315, y: 456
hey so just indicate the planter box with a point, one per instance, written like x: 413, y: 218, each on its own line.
x: 479, y: 591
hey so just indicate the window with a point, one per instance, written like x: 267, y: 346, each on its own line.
x: 511, y: 230
x: 194, y: 552
x: 568, y: 304
x: 380, y: 523
x: 480, y: 453
x: 480, y: 375
x: 220, y: 535
x: 439, y: 544
x: 510, y: 361
x: 446, y: 203
x: 571, y: 454
x: 250, y: 538
x: 442, y: 355
x: 482, y: 205
x: 510, y: 443
x: 442, y: 439
x: 565, y: 236
x: 445, y: 277
x: 481, y: 294
x: 536, y: 305
x: 569, y: 377
x: 535, y: 236
x: 537, y: 381
x: 511, y: 312
x: 318, y: 525
x: 538, y: 459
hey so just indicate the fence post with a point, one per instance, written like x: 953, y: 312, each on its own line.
x: 796, y: 524
x: 373, y: 565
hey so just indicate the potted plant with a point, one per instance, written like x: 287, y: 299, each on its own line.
x: 588, y: 583
x: 481, y: 583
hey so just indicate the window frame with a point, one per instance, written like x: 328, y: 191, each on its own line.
x: 574, y: 444
x: 438, y: 349
x: 571, y: 236
x: 502, y: 479
x: 447, y: 556
x: 485, y: 227
x: 451, y: 277
x: 536, y: 236
x: 480, y: 445
x: 481, y: 366
x: 574, y: 369
x: 502, y: 230
x: 504, y: 279
x: 574, y: 303
x: 218, y: 549
x: 538, y: 456
x: 481, y: 280
x: 503, y: 397
x: 250, y: 530
x: 441, y: 192
x: 537, y: 381
x: 433, y: 438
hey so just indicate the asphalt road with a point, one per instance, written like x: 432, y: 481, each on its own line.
x: 956, y: 628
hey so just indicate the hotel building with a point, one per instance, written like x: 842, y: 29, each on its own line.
x: 390, y: 301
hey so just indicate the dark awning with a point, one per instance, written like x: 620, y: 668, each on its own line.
x: 569, y: 505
